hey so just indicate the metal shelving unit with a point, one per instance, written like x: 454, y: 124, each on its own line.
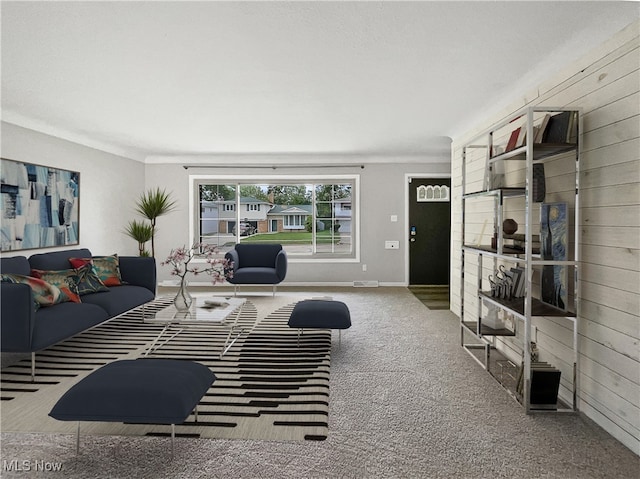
x: 486, y: 344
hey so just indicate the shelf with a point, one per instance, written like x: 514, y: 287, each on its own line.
x: 521, y: 237
x: 538, y: 308
x: 540, y: 151
x: 490, y: 347
x: 505, y: 372
x: 486, y: 330
x: 504, y: 192
x: 506, y: 250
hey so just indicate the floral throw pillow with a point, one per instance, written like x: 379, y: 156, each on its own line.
x: 66, y: 280
x: 44, y: 294
x: 89, y: 281
x: 107, y: 268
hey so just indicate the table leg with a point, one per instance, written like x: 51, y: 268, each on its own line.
x: 228, y: 345
x: 155, y: 344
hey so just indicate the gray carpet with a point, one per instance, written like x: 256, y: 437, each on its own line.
x: 406, y: 401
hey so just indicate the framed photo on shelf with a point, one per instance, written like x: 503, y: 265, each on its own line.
x: 553, y: 243
x: 40, y: 206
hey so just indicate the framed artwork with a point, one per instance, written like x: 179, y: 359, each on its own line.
x: 40, y: 206
x: 553, y: 242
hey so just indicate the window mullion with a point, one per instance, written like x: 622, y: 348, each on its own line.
x: 333, y: 219
x: 314, y: 219
x: 237, y: 209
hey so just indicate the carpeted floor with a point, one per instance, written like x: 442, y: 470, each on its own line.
x: 406, y: 401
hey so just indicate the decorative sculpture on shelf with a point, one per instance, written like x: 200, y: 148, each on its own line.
x: 509, y: 226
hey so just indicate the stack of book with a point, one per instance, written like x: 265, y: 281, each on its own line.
x: 517, y: 282
x: 517, y: 242
x: 545, y: 382
x: 559, y: 128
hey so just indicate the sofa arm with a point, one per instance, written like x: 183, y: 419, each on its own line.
x: 139, y: 271
x: 232, y: 256
x: 17, y: 317
x: 281, y: 265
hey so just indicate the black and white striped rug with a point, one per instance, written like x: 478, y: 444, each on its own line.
x: 270, y: 384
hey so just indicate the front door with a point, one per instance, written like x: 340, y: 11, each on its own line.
x: 429, y: 231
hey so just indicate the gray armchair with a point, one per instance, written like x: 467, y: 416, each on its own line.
x: 257, y: 264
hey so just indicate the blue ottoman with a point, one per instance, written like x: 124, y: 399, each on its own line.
x: 320, y: 314
x: 140, y: 391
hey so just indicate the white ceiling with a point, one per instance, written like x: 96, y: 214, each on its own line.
x: 199, y: 78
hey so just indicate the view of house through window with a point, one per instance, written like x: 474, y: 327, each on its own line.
x: 312, y: 219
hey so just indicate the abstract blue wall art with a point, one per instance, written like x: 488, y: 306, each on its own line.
x: 40, y: 206
x: 553, y: 239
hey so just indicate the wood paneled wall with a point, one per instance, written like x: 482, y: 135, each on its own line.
x: 606, y: 85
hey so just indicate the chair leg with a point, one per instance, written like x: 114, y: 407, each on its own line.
x: 78, y: 439
x: 33, y: 367
x: 173, y: 438
x: 274, y: 290
x: 235, y: 290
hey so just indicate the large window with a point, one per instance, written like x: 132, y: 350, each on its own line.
x: 310, y: 217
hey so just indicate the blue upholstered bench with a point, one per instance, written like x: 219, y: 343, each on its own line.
x: 139, y: 391
x: 320, y: 314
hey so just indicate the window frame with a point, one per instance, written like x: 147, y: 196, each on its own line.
x: 354, y: 257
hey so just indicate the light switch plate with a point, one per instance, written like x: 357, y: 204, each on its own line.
x: 392, y: 245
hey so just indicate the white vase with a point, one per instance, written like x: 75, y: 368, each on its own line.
x: 183, y: 299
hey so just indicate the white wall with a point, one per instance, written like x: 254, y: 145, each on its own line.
x: 109, y: 186
x: 606, y: 85
x: 382, y: 193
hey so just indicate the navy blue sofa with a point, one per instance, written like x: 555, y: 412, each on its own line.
x: 25, y: 329
x: 255, y: 263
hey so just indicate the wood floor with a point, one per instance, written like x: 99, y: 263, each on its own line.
x: 433, y: 296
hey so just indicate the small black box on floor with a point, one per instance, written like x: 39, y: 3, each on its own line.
x: 545, y: 382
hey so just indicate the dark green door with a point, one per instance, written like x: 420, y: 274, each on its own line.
x: 429, y: 231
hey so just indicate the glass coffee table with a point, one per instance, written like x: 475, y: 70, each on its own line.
x: 208, y: 311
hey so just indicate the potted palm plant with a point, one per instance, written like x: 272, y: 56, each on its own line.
x: 141, y: 232
x: 152, y: 204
